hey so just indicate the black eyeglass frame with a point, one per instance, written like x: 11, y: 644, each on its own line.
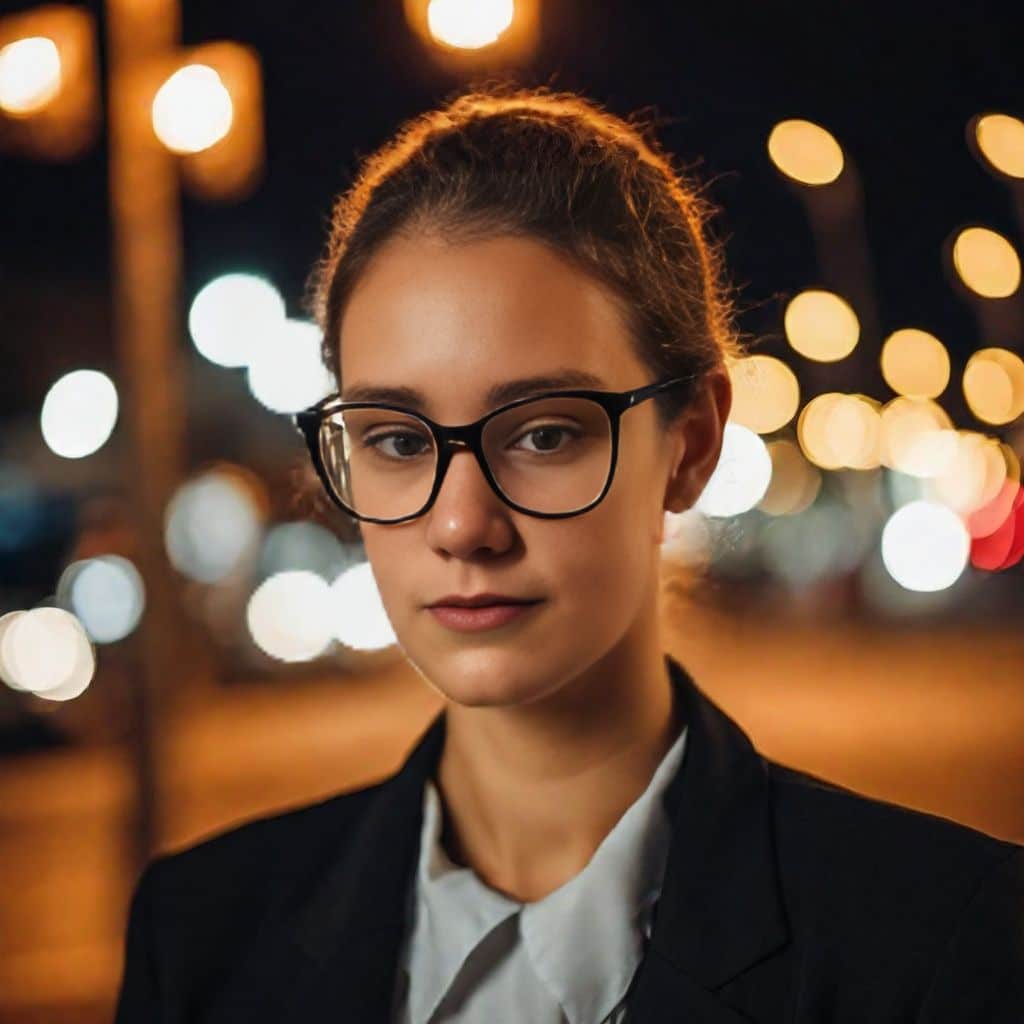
x: 470, y: 436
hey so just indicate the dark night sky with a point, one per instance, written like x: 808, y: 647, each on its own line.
x: 340, y: 75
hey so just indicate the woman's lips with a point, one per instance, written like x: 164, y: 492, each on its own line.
x: 469, y: 620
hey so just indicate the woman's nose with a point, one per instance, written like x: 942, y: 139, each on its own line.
x: 467, y: 514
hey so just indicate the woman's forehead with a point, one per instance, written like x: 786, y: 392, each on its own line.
x: 480, y: 313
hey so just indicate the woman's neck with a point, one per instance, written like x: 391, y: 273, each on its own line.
x: 529, y: 792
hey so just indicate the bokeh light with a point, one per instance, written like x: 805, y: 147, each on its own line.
x: 304, y: 545
x: 46, y: 652
x: 821, y: 326
x: 359, y: 618
x: 765, y: 393
x: 30, y: 75
x: 993, y: 385
x: 469, y: 24
x: 795, y: 481
x: 973, y: 474
x: 805, y: 151
x: 107, y: 595
x: 925, y: 546
x: 838, y: 430
x: 1001, y: 139
x: 986, y: 262
x: 915, y: 363
x: 917, y: 436
x: 741, y: 476
x: 289, y: 615
x: 232, y: 317
x: 79, y: 413
x: 211, y: 523
x: 192, y: 110
x: 997, y: 530
x: 288, y: 374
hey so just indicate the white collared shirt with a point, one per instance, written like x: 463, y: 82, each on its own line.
x: 472, y: 954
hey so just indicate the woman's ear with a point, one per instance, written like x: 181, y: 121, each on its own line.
x: 697, y: 434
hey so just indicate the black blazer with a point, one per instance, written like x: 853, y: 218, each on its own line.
x: 785, y: 899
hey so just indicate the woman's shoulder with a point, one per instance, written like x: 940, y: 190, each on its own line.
x: 841, y: 848
x: 257, y: 854
x: 815, y: 806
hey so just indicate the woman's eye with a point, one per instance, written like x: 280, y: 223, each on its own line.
x: 548, y: 438
x: 405, y: 444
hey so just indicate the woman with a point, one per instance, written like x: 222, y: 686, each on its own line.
x: 528, y: 322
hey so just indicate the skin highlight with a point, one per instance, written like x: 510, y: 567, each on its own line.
x: 557, y: 720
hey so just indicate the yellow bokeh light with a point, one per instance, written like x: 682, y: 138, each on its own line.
x: 765, y: 393
x: 192, y: 110
x: 822, y: 326
x: 915, y: 363
x: 794, y: 484
x: 469, y: 24
x: 812, y: 430
x: 1001, y: 139
x: 854, y: 432
x: 917, y: 436
x: 986, y: 262
x: 973, y: 476
x: 30, y: 75
x: 805, y: 152
x: 993, y: 385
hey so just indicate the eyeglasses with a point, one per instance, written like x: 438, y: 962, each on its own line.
x: 552, y: 455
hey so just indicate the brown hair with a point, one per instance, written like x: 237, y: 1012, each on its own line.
x: 499, y: 158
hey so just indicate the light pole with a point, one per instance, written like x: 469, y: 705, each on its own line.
x: 143, y: 52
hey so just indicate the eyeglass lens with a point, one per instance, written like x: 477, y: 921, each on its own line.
x: 548, y: 455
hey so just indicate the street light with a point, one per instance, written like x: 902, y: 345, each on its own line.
x: 49, y: 109
x: 49, y: 89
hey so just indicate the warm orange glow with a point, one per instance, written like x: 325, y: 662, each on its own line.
x: 469, y: 24
x: 466, y: 35
x: 986, y: 262
x: 30, y: 75
x: 49, y: 82
x: 192, y: 110
x: 805, y: 152
x: 1001, y: 140
x: 231, y: 167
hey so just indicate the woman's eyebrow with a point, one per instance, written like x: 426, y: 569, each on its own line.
x: 497, y: 394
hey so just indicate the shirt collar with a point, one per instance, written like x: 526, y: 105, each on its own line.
x: 584, y: 940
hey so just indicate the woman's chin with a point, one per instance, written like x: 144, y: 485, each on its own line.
x: 484, y: 678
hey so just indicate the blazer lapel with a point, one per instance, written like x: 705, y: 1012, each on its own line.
x: 333, y: 956
x: 720, y: 909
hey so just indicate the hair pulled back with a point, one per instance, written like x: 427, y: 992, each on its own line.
x: 502, y: 159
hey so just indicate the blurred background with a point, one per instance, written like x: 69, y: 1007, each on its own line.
x: 190, y: 634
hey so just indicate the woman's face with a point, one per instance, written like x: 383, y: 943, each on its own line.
x: 451, y: 321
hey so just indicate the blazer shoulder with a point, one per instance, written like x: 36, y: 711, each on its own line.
x: 820, y: 807
x: 837, y: 840
x: 871, y: 883
x: 195, y: 909
x: 259, y: 849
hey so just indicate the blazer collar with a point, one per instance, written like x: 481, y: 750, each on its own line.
x: 332, y: 954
